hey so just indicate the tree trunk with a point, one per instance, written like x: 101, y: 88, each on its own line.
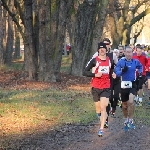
x: 47, y: 38
x: 5, y: 21
x: 128, y: 36
x: 29, y: 45
x: 83, y: 37
x: 64, y: 8
x: 51, y: 38
x: 89, y: 19
x: 42, y: 41
x: 1, y: 35
x: 17, y: 44
x: 10, y: 37
x: 101, y: 12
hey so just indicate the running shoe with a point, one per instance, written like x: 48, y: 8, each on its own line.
x: 113, y: 114
x: 126, y: 128
x: 131, y: 125
x: 100, y: 133
x: 106, y: 125
x: 136, y: 98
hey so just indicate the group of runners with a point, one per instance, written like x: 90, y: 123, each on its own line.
x: 118, y: 75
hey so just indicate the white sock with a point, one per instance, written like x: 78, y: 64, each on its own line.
x: 136, y: 98
x: 140, y: 100
x: 130, y: 120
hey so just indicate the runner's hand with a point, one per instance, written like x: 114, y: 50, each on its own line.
x: 98, y: 75
x: 114, y: 75
x: 125, y: 69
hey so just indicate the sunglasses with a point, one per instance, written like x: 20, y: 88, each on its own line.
x: 107, y: 43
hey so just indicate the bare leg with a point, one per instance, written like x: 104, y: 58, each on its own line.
x: 130, y: 104
x: 97, y: 107
x: 149, y: 84
x: 103, y: 104
x: 125, y: 109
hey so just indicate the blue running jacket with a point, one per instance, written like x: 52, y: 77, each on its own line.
x: 133, y: 65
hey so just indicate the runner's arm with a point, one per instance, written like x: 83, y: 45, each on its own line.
x: 95, y: 55
x: 139, y: 66
x: 87, y: 71
x: 117, y: 69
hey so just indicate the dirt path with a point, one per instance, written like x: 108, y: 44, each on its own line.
x: 81, y: 137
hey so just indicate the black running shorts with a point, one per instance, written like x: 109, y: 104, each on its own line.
x: 126, y: 92
x: 98, y: 93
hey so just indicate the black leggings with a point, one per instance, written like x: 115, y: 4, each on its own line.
x: 115, y: 90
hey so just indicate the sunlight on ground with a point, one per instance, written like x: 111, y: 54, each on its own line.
x: 25, y: 112
x: 85, y: 87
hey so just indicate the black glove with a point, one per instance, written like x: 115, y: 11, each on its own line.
x: 125, y: 69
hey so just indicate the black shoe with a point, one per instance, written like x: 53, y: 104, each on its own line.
x: 113, y: 115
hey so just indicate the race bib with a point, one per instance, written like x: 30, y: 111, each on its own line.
x: 103, y: 69
x: 126, y: 84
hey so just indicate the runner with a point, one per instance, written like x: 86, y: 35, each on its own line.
x: 113, y: 59
x: 126, y: 68
x: 148, y: 73
x: 121, y: 55
x: 116, y: 86
x: 143, y: 61
x: 100, y: 83
x: 121, y: 51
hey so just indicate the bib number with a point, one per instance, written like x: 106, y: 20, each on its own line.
x: 126, y: 84
x: 104, y: 69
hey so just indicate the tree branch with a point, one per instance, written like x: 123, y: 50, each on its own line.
x: 13, y: 18
x: 137, y: 18
x: 18, y: 7
x: 136, y: 35
x: 139, y: 5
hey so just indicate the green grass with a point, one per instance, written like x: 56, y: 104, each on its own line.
x: 66, y: 63
x: 60, y: 107
x: 13, y: 67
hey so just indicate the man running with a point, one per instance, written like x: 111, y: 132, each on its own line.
x: 100, y: 66
x: 116, y: 86
x: 113, y: 59
x: 126, y: 68
x: 143, y: 60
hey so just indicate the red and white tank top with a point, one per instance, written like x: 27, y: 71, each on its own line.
x: 104, y: 67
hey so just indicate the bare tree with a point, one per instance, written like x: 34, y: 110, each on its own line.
x: 1, y: 35
x: 122, y: 16
x: 89, y: 22
x: 10, y: 36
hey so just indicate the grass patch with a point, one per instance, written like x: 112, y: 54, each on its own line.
x: 25, y: 110
x: 13, y: 67
x: 66, y: 63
